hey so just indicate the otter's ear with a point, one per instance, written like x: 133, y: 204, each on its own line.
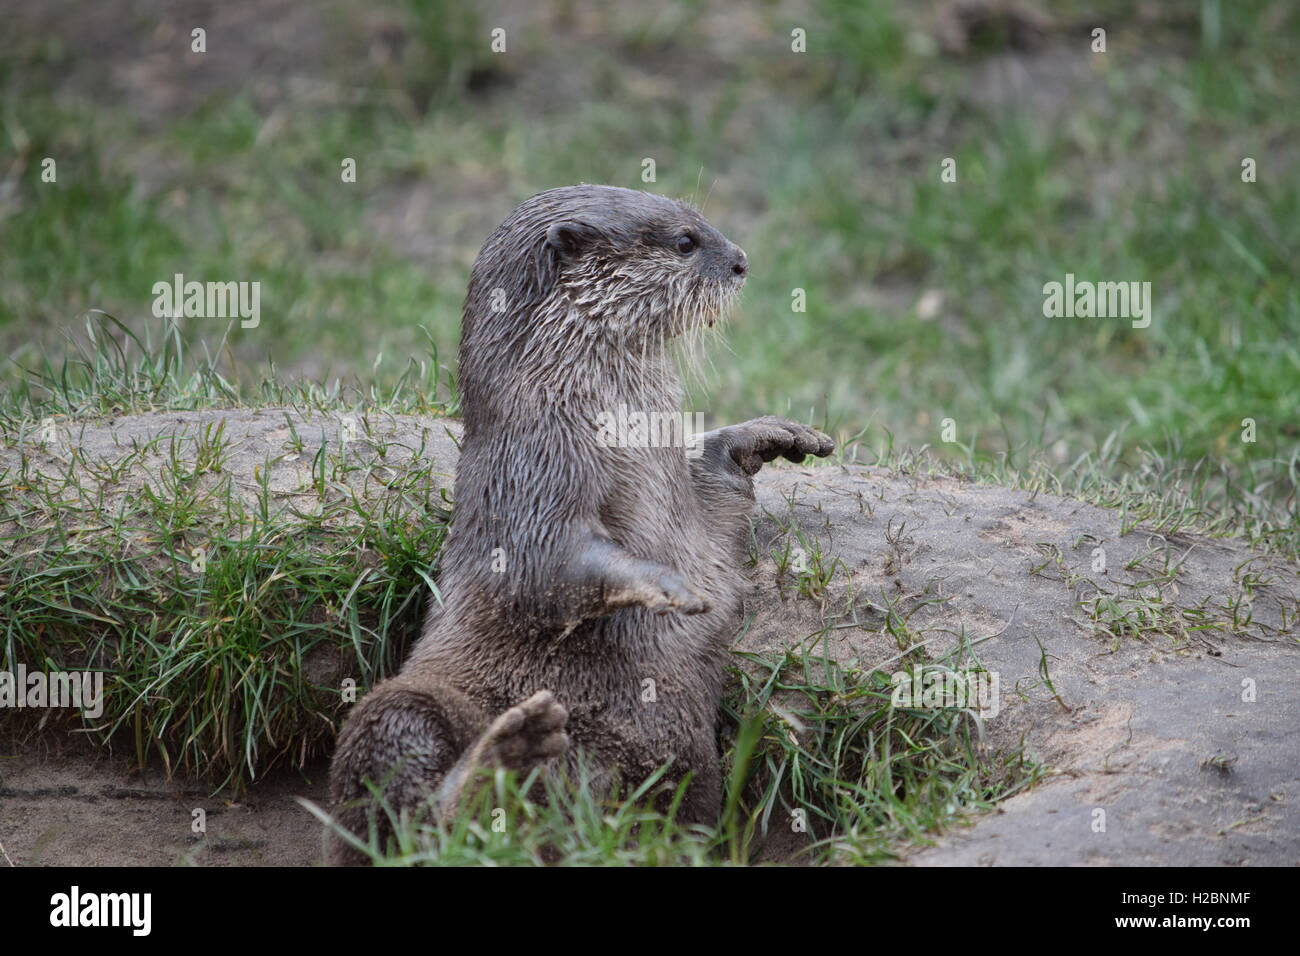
x: 569, y: 238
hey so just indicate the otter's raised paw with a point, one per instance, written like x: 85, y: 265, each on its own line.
x: 526, y: 735
x: 760, y: 440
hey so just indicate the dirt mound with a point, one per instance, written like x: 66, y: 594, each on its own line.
x: 1153, y: 673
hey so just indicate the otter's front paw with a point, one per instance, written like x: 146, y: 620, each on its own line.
x: 526, y: 735
x: 670, y: 592
x: 760, y: 440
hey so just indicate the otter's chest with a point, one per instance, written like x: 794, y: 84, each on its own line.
x: 649, y: 505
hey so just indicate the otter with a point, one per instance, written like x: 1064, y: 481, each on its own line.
x: 575, y: 569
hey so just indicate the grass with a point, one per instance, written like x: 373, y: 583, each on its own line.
x: 224, y: 613
x: 507, y: 825
x: 860, y: 775
x: 824, y: 165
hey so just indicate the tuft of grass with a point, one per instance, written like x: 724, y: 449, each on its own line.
x: 115, y: 370
x: 802, y: 560
x: 510, y: 821
x: 855, y: 776
x: 225, y: 617
x: 838, y: 195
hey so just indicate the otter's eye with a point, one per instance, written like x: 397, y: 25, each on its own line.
x: 686, y: 245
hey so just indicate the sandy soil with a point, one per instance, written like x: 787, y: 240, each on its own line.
x: 1165, y: 748
x: 92, y: 810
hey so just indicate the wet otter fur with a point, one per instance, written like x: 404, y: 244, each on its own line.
x: 574, y: 570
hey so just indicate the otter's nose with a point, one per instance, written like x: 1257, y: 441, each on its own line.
x: 740, y: 264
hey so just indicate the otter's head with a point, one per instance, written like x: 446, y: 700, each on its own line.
x: 605, y: 262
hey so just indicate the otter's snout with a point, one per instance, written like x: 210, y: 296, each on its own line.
x: 728, y: 261
x: 739, y: 262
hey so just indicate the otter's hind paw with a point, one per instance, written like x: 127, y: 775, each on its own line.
x: 526, y: 735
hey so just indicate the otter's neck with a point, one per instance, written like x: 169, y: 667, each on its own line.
x: 577, y: 377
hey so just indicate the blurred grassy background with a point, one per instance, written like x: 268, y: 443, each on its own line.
x: 924, y: 298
